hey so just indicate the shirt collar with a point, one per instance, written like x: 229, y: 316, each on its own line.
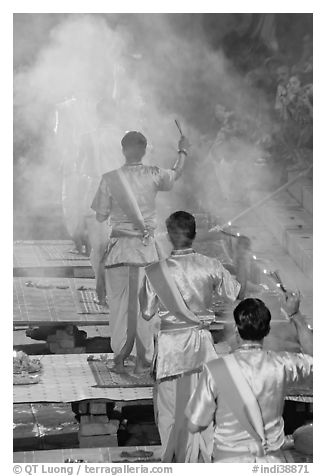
x: 186, y: 251
x: 133, y: 164
x: 250, y: 346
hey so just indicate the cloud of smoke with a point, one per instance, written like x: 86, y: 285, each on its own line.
x: 100, y: 75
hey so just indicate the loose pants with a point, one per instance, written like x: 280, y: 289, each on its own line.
x: 98, y: 235
x: 128, y: 328
x: 171, y: 396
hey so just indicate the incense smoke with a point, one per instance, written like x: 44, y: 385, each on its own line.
x: 79, y: 73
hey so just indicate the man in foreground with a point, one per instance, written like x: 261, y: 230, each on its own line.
x: 127, y: 196
x: 243, y: 392
x: 184, y: 286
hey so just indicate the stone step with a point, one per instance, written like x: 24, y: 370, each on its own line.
x: 292, y: 278
x: 302, y: 191
x: 270, y: 255
x: 307, y: 198
x: 292, y: 226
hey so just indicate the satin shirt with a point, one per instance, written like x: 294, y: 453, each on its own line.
x: 268, y: 374
x: 198, y: 278
x: 145, y: 181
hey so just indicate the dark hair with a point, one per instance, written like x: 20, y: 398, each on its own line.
x: 133, y: 138
x: 181, y: 228
x: 252, y: 318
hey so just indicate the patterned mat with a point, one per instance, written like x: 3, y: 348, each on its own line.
x: 300, y: 398
x: 52, y: 300
x: 300, y: 391
x: 87, y: 303
x: 55, y: 253
x: 49, y: 258
x: 68, y: 378
x: 300, y: 394
x: 105, y: 378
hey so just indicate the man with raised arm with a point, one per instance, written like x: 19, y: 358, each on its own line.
x: 127, y: 196
x: 184, y: 285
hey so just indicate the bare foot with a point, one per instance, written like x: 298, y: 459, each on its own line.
x: 119, y: 366
x: 104, y: 307
x: 100, y: 302
x: 142, y: 368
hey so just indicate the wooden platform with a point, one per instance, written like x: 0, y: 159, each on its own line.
x: 91, y: 455
x: 46, y: 301
x: 52, y: 258
x: 113, y: 455
x: 39, y: 426
x: 69, y: 378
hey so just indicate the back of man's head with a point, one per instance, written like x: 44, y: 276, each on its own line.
x: 252, y: 318
x: 134, y: 146
x: 181, y: 227
x: 133, y: 138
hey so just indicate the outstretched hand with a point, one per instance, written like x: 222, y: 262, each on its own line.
x: 291, y: 302
x: 183, y: 143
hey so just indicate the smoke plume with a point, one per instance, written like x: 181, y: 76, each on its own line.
x: 79, y: 74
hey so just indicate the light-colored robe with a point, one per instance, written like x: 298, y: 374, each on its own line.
x: 268, y: 374
x: 99, y: 152
x: 197, y: 278
x: 127, y: 255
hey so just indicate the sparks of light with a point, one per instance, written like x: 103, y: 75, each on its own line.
x: 229, y: 223
x: 238, y: 234
x: 255, y: 257
x: 265, y: 271
x: 56, y: 122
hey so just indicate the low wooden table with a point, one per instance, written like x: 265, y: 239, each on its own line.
x: 91, y: 455
x: 113, y: 455
x: 61, y: 303
x: 69, y: 378
x: 50, y: 258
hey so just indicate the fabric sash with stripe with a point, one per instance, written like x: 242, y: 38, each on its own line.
x: 166, y: 289
x: 241, y: 400
x: 124, y: 196
x: 195, y: 345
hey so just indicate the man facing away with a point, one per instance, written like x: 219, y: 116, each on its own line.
x: 99, y: 151
x: 127, y: 196
x: 243, y: 392
x: 183, y: 285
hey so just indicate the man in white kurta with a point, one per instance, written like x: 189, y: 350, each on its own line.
x: 182, y: 346
x: 266, y: 372
x: 98, y: 152
x: 132, y: 243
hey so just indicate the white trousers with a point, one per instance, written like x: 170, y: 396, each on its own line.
x: 128, y: 328
x: 171, y: 396
x: 98, y: 235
